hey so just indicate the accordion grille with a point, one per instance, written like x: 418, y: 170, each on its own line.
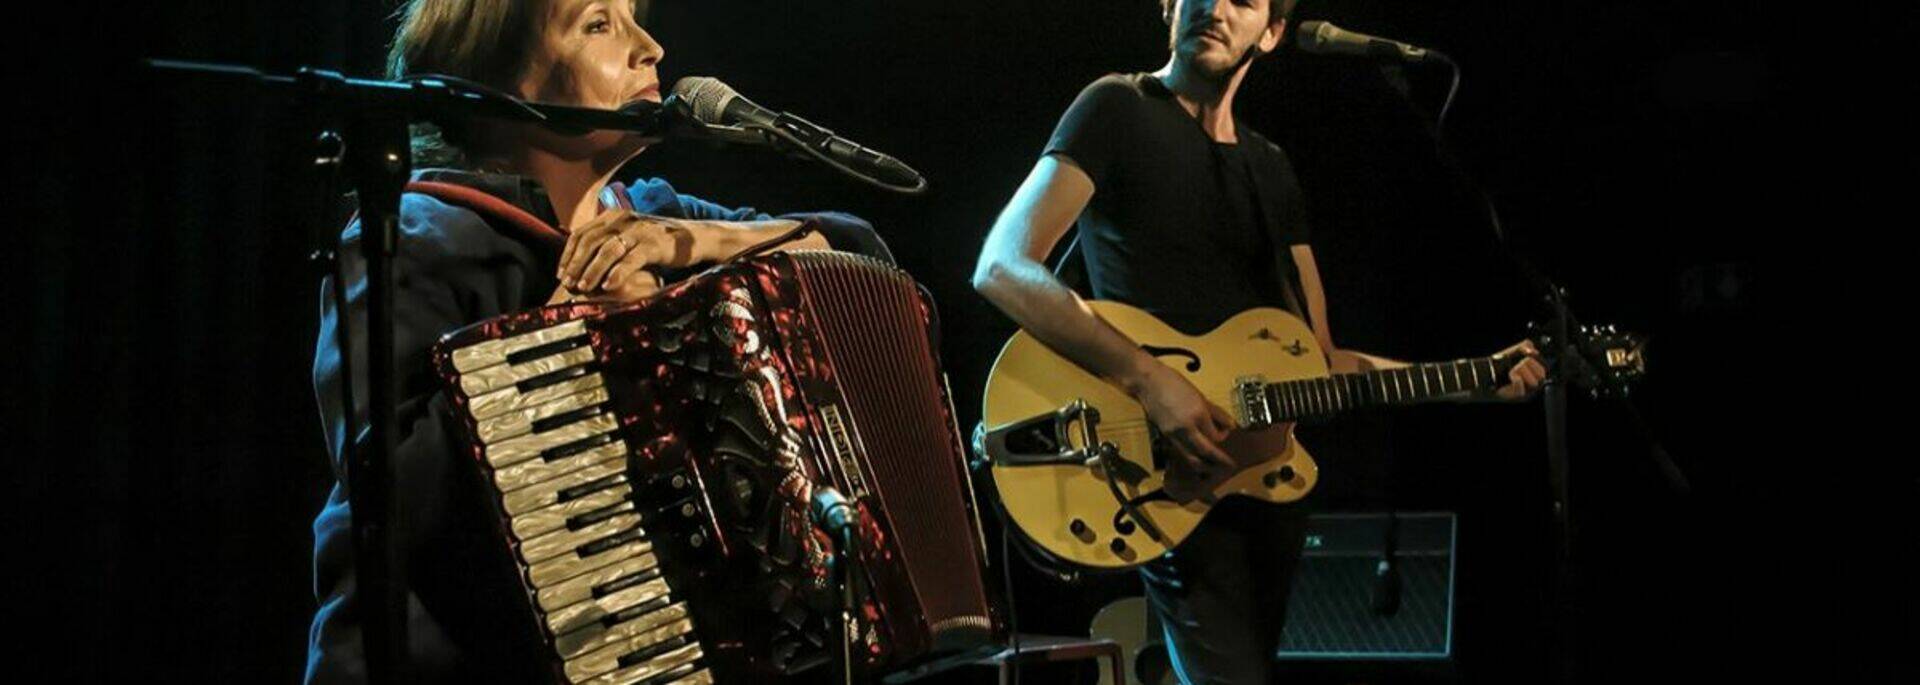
x: 876, y: 329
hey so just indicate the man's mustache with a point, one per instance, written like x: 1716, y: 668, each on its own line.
x: 1201, y: 29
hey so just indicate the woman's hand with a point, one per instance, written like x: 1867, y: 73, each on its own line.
x: 616, y: 256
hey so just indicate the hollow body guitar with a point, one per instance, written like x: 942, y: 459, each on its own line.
x: 1076, y: 464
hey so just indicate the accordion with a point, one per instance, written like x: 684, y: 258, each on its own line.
x: 654, y: 466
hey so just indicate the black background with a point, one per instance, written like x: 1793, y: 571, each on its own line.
x: 1662, y: 160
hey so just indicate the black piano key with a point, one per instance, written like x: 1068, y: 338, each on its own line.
x: 635, y: 611
x: 546, y: 379
x: 657, y: 649
x: 547, y: 350
x: 624, y: 582
x: 589, y: 487
x: 584, y: 519
x: 578, y: 446
x: 672, y: 675
x: 566, y: 418
x: 603, y: 544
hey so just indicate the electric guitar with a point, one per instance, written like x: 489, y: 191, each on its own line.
x: 1078, y: 468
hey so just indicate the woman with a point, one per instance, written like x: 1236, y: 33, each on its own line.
x: 454, y: 268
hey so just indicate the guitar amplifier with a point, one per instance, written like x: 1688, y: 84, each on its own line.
x: 1330, y: 614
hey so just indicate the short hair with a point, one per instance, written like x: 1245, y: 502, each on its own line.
x: 1286, y: 9
x: 485, y: 41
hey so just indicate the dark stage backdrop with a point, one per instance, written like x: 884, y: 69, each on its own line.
x: 1650, y: 155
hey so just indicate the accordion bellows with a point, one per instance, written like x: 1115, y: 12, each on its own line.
x: 655, y: 464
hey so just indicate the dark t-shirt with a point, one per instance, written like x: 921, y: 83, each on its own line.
x: 1191, y: 230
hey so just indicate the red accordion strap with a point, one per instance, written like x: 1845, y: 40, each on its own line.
x: 490, y: 206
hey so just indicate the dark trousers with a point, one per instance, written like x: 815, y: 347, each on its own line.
x: 1221, y: 596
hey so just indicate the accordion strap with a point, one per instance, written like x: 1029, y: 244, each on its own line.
x: 488, y: 205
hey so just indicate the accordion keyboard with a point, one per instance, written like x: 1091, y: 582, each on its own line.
x: 554, y: 452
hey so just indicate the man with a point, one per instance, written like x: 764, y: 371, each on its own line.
x: 1193, y: 217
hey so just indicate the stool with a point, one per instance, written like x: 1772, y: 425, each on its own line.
x: 1033, y: 649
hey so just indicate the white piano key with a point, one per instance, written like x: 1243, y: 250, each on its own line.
x: 495, y: 352
x: 548, y: 519
x: 564, y: 542
x: 520, y: 422
x: 607, y: 659
x: 510, y: 398
x: 560, y: 568
x: 582, y: 631
x: 535, y: 482
x: 516, y: 450
x: 483, y: 381
x: 580, y: 589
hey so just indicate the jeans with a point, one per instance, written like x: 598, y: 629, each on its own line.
x: 1221, y: 596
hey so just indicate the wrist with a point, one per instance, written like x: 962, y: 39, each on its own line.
x: 1138, y: 372
x: 698, y: 242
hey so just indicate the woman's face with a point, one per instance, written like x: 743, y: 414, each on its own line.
x: 592, y: 53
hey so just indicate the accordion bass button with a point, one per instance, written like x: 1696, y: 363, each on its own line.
x: 667, y: 340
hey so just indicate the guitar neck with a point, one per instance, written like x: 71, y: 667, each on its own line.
x: 1319, y: 397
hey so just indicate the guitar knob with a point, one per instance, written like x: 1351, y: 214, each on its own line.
x: 1118, y: 546
x: 1286, y: 474
x: 1080, y: 530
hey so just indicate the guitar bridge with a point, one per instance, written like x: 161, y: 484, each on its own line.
x: 1251, y: 403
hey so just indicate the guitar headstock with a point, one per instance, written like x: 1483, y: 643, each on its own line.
x: 1608, y: 362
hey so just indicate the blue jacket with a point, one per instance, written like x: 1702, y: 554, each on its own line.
x: 466, y: 618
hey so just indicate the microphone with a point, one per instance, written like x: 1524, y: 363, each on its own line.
x: 1323, y: 38
x: 716, y: 105
x: 1384, y: 597
x: 832, y: 511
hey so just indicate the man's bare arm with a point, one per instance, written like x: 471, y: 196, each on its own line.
x: 1013, y: 276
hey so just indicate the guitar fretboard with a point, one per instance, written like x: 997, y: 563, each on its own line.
x: 1318, y: 397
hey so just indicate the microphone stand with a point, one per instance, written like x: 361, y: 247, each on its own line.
x: 832, y: 511
x: 1568, y: 362
x: 369, y: 130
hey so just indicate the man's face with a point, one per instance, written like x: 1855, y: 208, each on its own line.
x: 1213, y: 36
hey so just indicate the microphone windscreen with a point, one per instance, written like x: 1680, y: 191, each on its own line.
x: 708, y: 97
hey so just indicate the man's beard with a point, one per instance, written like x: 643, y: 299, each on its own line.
x: 1215, y: 65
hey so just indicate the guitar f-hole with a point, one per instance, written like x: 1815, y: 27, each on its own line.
x: 1193, y: 360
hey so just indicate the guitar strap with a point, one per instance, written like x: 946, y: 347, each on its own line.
x: 1284, y: 270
